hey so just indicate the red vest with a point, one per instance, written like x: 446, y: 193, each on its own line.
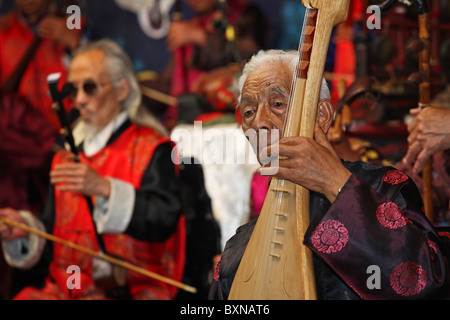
x: 126, y: 158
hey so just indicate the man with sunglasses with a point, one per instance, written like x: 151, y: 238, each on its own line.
x: 126, y: 169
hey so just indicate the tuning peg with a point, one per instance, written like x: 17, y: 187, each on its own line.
x: 416, y: 78
x: 415, y: 46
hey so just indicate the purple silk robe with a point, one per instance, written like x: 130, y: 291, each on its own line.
x: 376, y: 227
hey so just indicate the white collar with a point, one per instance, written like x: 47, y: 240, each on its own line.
x: 93, y: 143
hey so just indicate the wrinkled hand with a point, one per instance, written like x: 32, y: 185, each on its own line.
x: 8, y: 232
x: 311, y: 163
x: 182, y: 33
x: 429, y: 132
x: 55, y: 28
x: 79, y: 177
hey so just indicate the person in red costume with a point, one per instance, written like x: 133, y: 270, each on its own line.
x: 18, y: 28
x: 126, y: 169
x: 28, y: 125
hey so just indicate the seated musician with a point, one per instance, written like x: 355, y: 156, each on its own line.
x: 361, y: 215
x: 126, y: 169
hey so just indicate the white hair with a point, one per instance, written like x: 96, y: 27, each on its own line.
x: 119, y: 66
x: 289, y: 57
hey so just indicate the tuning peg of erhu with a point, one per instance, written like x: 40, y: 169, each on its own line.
x: 416, y: 78
x: 415, y: 46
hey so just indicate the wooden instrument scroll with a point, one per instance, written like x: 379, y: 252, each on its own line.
x: 276, y: 265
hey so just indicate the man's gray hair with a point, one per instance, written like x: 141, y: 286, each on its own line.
x: 289, y: 57
x: 119, y: 66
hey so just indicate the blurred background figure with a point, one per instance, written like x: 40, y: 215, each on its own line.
x: 219, y: 34
x: 34, y: 42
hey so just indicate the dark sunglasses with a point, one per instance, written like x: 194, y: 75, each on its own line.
x: 90, y: 87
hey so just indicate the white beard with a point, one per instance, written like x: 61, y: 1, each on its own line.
x: 95, y: 138
x: 82, y: 130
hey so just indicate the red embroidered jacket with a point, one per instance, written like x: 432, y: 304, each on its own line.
x: 154, y: 238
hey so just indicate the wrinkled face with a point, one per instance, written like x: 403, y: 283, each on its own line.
x: 264, y: 102
x: 31, y: 7
x: 95, y: 97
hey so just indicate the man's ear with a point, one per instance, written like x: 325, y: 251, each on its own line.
x: 325, y: 114
x: 123, y: 89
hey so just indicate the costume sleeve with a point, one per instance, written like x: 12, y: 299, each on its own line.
x: 112, y: 215
x: 24, y: 253
x: 33, y: 253
x: 376, y: 237
x: 157, y: 207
